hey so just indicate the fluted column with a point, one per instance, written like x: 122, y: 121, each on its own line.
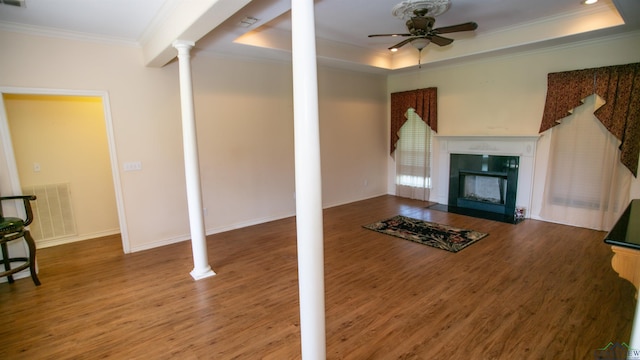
x: 201, y: 267
x: 308, y: 181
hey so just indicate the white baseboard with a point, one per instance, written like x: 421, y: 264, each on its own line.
x: 235, y: 226
x: 41, y: 244
x: 367, y: 197
x: 19, y: 275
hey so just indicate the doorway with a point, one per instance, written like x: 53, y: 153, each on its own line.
x: 11, y: 153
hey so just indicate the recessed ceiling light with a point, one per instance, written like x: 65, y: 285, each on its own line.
x: 589, y: 2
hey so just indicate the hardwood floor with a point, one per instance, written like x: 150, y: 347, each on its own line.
x: 534, y: 290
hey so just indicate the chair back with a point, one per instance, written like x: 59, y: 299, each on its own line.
x: 26, y: 200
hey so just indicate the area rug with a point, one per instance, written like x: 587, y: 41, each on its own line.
x: 437, y: 235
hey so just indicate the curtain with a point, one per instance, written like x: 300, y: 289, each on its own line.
x: 413, y: 120
x: 413, y: 159
x: 586, y: 184
x: 423, y: 101
x: 618, y: 86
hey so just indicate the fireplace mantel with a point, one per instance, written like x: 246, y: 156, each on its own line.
x: 523, y: 146
x: 489, y: 145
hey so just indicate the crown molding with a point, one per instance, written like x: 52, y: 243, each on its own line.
x: 69, y: 35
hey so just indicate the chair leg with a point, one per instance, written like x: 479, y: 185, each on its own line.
x: 6, y: 262
x: 32, y: 257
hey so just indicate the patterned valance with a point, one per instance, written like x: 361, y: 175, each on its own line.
x: 423, y: 101
x: 619, y: 86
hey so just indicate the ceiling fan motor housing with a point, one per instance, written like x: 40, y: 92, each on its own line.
x: 420, y: 26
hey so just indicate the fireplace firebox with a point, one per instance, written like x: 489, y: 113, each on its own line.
x: 484, y: 183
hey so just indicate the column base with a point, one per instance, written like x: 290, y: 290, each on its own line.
x: 197, y: 275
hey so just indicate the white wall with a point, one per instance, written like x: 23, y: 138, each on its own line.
x: 505, y: 95
x: 245, y: 131
x: 244, y: 113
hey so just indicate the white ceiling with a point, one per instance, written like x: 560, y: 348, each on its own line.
x: 341, y: 26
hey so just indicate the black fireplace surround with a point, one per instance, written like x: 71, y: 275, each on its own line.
x: 484, y: 186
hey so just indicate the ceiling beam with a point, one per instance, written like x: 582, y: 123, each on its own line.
x: 185, y: 20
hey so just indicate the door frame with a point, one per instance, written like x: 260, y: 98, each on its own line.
x: 5, y: 138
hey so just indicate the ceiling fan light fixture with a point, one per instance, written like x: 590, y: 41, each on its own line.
x: 420, y: 26
x: 589, y: 2
x: 420, y: 43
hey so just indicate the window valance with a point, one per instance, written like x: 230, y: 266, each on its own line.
x: 423, y: 101
x: 619, y: 86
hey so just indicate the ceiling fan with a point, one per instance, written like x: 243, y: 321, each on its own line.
x: 421, y: 31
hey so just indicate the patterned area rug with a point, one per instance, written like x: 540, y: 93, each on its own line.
x: 437, y: 235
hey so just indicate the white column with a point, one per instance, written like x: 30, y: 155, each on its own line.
x: 201, y: 267
x: 308, y: 181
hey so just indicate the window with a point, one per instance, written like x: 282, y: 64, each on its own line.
x: 413, y: 158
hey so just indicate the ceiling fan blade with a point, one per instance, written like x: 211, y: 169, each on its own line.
x: 401, y: 43
x: 440, y: 40
x: 469, y: 26
x: 376, y: 35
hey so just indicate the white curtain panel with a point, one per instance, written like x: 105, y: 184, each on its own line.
x: 586, y: 184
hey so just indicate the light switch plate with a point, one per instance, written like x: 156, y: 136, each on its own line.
x: 132, y: 166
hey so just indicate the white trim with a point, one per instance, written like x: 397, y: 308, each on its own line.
x: 10, y: 156
x: 17, y: 276
x: 523, y: 146
x: 243, y: 224
x: 66, y: 34
x: 71, y: 239
x: 7, y: 144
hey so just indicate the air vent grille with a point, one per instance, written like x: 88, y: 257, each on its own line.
x: 52, y: 211
x: 18, y: 3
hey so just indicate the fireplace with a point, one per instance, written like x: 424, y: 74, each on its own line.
x: 485, y: 183
x: 500, y: 166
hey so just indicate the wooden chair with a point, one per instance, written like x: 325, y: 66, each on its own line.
x: 12, y: 228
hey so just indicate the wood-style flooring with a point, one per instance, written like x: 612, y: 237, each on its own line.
x: 534, y: 290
